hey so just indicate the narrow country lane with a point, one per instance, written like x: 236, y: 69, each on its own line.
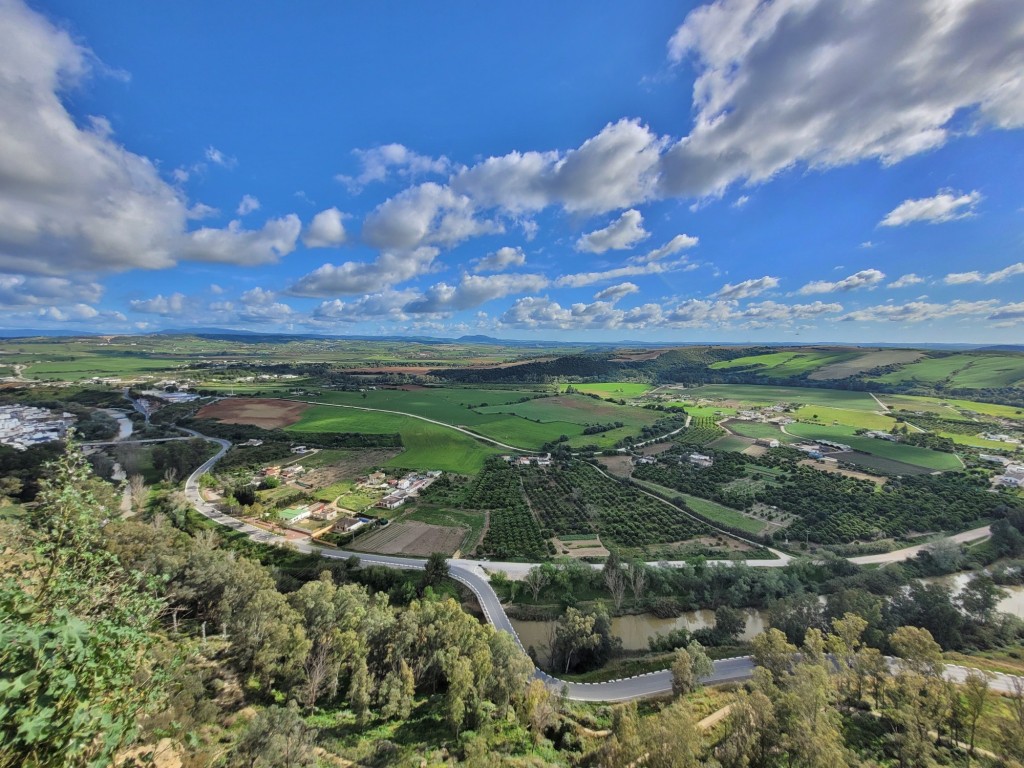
x: 471, y: 573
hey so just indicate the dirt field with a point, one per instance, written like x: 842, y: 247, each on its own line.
x: 848, y: 472
x: 269, y: 413
x: 412, y: 538
x: 349, y: 466
x: 586, y: 548
x: 755, y: 450
x: 620, y: 466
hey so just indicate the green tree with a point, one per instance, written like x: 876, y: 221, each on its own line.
x: 435, y: 571
x: 76, y: 668
x: 575, y: 633
x: 975, y: 694
x: 277, y: 737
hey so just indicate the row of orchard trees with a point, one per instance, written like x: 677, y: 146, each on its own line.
x: 101, y: 620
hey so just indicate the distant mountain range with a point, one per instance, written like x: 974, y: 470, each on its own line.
x: 229, y: 333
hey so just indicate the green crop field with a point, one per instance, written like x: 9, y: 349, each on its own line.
x: 789, y: 363
x: 427, y: 446
x: 907, y: 454
x: 929, y: 370
x: 947, y: 406
x: 623, y: 389
x: 963, y: 370
x: 488, y: 412
x: 850, y: 418
x: 768, y: 360
x: 757, y: 394
x: 865, y: 362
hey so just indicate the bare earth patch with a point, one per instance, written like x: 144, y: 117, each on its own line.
x: 838, y: 471
x: 755, y: 450
x: 259, y: 412
x: 620, y: 466
x: 583, y: 548
x: 412, y: 538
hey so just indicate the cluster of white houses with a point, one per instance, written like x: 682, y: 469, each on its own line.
x: 529, y: 461
x: 399, y: 491
x: 25, y: 425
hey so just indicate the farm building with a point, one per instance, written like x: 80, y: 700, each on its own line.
x: 295, y: 514
x: 700, y: 460
x: 879, y: 435
x: 322, y: 511
x: 994, y: 459
x: 346, y: 524
x: 394, y: 501
x: 768, y: 442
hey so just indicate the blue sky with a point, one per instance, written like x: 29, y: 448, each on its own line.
x: 816, y: 170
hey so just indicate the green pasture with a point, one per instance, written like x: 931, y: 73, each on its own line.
x: 978, y: 442
x: 918, y: 403
x: 907, y: 454
x: 730, y: 443
x: 577, y: 409
x: 99, y: 365
x: 623, y: 389
x: 724, y: 515
x: 757, y: 430
x: 850, y: 418
x: 427, y: 446
x: 348, y: 496
x: 991, y: 409
x: 704, y: 412
x: 759, y: 394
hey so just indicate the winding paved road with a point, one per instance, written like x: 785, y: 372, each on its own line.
x: 472, y: 575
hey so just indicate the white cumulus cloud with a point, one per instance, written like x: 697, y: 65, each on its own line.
x: 866, y: 278
x: 326, y: 230
x: 622, y: 234
x: 945, y: 206
x: 748, y: 288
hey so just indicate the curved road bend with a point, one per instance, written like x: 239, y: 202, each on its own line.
x: 469, y: 573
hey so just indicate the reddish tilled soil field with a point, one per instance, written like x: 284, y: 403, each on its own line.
x: 269, y: 414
